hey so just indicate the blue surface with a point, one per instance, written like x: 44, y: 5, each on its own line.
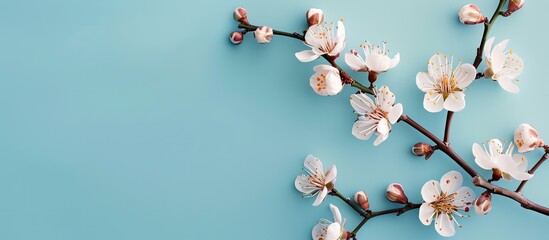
x: 139, y: 120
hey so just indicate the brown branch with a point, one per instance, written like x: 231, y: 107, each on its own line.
x: 447, y: 128
x: 398, y: 211
x: 487, y: 27
x: 541, y: 160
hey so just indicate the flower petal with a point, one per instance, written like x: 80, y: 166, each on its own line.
x: 363, y: 128
x: 319, y: 231
x: 451, y: 182
x: 426, y: 214
x: 385, y: 98
x: 333, y: 231
x: 303, y: 185
x: 488, y: 48
x: 445, y: 226
x: 395, y: 113
x: 464, y: 198
x: 433, y: 101
x: 464, y: 75
x: 362, y: 104
x: 336, y: 213
x: 320, y: 197
x: 435, y: 66
x: 498, y: 56
x: 378, y: 63
x: 380, y: 138
x: 495, y: 147
x: 455, y: 102
x: 355, y: 62
x: 394, y: 61
x: 521, y: 162
x: 383, y: 126
x: 430, y: 191
x: 482, y: 159
x: 425, y: 82
x: 512, y: 67
x: 306, y: 55
x: 508, y: 85
x: 331, y: 174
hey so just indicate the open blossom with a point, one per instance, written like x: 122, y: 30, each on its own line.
x: 503, y: 66
x: 322, y: 40
x: 527, y: 138
x: 375, y: 118
x: 376, y: 59
x: 441, y: 201
x: 504, y: 164
x: 326, y: 80
x: 315, y: 182
x: 327, y: 230
x: 443, y: 86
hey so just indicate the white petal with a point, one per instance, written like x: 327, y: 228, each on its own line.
x: 303, y: 185
x: 512, y: 67
x: 362, y: 104
x: 385, y: 98
x: 435, y: 66
x: 488, y: 48
x: 319, y: 231
x: 340, y: 31
x: 426, y: 214
x: 455, y: 102
x: 445, y: 226
x: 336, y: 213
x: 425, y: 82
x: 395, y: 113
x: 306, y: 55
x: 363, y: 128
x: 430, y: 191
x: 464, y: 198
x: 433, y: 101
x: 311, y: 33
x: 521, y: 162
x: 355, y: 62
x: 521, y: 175
x: 313, y: 165
x: 482, y: 159
x: 381, y: 138
x: 333, y: 232
x: 394, y: 61
x: 320, y: 197
x: 464, y: 75
x: 383, y: 126
x: 378, y: 63
x: 331, y: 174
x: 498, y: 56
x: 508, y: 85
x: 334, y: 85
x: 451, y: 182
x: 495, y: 147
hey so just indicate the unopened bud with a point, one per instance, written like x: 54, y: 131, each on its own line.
x: 527, y: 138
x: 513, y: 6
x: 240, y: 14
x: 471, y: 14
x: 362, y: 199
x: 315, y: 16
x: 483, y: 204
x: 395, y: 193
x: 263, y: 34
x: 423, y: 149
x: 236, y: 37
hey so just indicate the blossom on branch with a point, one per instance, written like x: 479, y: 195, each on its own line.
x: 503, y: 164
x: 441, y: 201
x: 376, y: 59
x: 375, y: 118
x: 502, y: 66
x: 315, y: 182
x: 327, y: 230
x: 527, y: 138
x: 326, y: 80
x: 322, y: 40
x: 443, y: 86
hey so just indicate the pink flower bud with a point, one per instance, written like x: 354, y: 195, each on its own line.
x: 423, y: 149
x: 236, y: 37
x: 471, y: 14
x: 527, y: 138
x: 315, y: 16
x: 263, y: 34
x: 513, y: 6
x: 241, y: 15
x: 483, y: 204
x: 395, y: 193
x: 362, y: 199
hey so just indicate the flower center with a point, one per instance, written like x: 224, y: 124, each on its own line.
x: 444, y: 204
x: 377, y: 114
x: 447, y: 86
x: 326, y: 39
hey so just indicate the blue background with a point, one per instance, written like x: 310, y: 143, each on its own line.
x: 139, y: 120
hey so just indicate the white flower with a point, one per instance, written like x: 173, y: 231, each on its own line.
x: 315, y: 182
x: 322, y: 41
x: 443, y: 86
x: 506, y: 164
x: 527, y: 138
x: 327, y: 230
x: 376, y: 59
x: 263, y: 34
x: 503, y: 66
x: 375, y: 118
x: 442, y: 201
x: 326, y: 80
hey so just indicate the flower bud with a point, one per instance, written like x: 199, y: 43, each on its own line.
x: 362, y: 199
x: 527, y: 138
x: 471, y: 14
x: 513, y: 6
x: 240, y: 14
x: 236, y: 37
x: 395, y: 193
x: 263, y: 34
x: 483, y: 204
x: 423, y: 149
x: 315, y: 16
